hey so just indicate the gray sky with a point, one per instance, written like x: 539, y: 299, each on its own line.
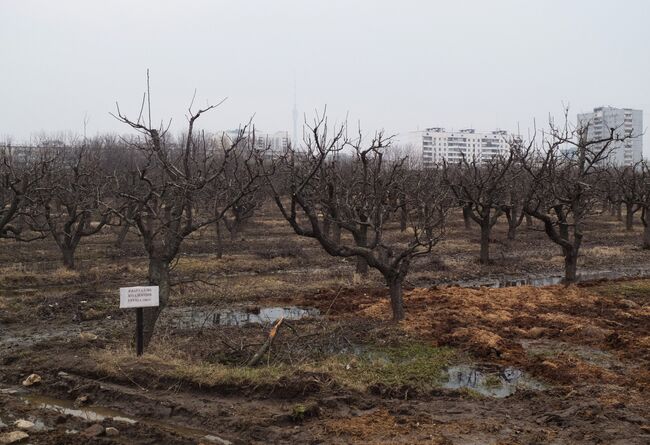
x: 393, y: 65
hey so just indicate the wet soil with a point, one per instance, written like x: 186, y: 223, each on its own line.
x: 584, y: 352
x: 524, y: 364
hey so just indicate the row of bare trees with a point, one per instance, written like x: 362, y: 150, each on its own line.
x: 355, y: 195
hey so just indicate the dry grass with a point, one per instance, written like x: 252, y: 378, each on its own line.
x: 231, y: 264
x: 603, y: 252
x: 415, y: 366
x: 170, y: 364
x: 15, y: 276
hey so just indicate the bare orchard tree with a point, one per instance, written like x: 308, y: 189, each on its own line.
x: 481, y: 187
x: 644, y: 202
x: 563, y: 189
x: 349, y: 183
x: 71, y: 196
x: 21, y: 171
x: 241, y: 213
x: 515, y: 199
x: 628, y: 182
x: 177, y: 186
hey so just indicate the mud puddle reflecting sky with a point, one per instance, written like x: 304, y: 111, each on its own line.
x: 99, y: 414
x: 193, y: 318
x: 549, y: 280
x: 499, y: 384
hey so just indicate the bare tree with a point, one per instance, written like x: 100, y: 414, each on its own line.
x: 515, y: 198
x: 480, y: 186
x: 181, y: 188
x: 350, y: 183
x: 563, y: 190
x: 242, y: 212
x: 21, y: 170
x: 71, y: 197
x: 628, y: 182
x: 644, y: 202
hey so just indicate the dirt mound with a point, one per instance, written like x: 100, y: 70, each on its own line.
x: 481, y: 342
x: 494, y: 324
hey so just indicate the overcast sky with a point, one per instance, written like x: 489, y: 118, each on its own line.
x: 393, y: 65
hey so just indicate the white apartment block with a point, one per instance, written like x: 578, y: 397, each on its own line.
x: 438, y: 145
x: 276, y: 142
x: 626, y: 122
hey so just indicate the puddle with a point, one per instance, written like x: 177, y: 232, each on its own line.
x: 499, y: 384
x: 98, y: 414
x: 65, y: 407
x: 189, y: 318
x: 540, y: 281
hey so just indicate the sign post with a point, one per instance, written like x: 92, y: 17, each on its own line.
x: 139, y: 297
x: 139, y: 331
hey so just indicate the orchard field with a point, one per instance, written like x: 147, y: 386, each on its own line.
x: 467, y: 365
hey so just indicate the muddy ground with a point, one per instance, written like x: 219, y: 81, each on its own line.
x: 518, y: 365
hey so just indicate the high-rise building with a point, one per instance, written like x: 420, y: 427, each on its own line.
x: 437, y: 144
x: 626, y: 122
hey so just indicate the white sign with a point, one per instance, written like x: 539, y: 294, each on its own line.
x: 141, y: 296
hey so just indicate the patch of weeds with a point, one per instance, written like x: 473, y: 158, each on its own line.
x: 624, y: 289
x: 120, y: 363
x: 471, y: 394
x: 415, y: 365
x: 301, y: 412
x: 492, y: 381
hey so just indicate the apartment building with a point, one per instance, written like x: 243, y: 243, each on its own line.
x: 437, y: 144
x: 626, y: 122
x: 274, y: 142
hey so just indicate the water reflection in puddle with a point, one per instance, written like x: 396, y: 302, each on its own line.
x: 98, y: 414
x: 65, y: 407
x: 188, y: 318
x: 499, y: 384
x: 541, y: 281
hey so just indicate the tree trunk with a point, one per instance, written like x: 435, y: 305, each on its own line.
x: 396, y: 298
x: 336, y: 233
x: 646, y: 236
x: 570, y: 267
x: 512, y: 225
x: 529, y: 221
x: 467, y: 218
x: 485, y: 243
x: 327, y: 227
x: 361, y: 240
x: 121, y: 236
x: 362, y: 266
x: 219, y: 250
x: 629, y: 217
x: 403, y: 218
x: 158, y: 276
x: 234, y: 231
x: 68, y: 257
x: 619, y: 211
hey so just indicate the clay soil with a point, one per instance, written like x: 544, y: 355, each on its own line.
x: 348, y: 375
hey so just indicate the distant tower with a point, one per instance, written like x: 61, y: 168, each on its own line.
x: 294, y: 142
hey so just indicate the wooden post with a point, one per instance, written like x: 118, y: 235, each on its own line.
x: 139, y: 331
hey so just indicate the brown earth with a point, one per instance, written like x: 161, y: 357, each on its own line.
x: 348, y: 376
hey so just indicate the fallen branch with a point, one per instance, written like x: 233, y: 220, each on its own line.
x: 267, y: 344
